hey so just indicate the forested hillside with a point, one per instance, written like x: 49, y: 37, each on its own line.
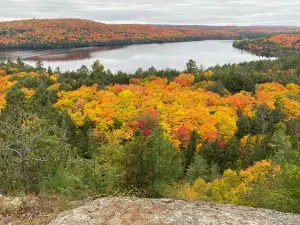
x: 277, y: 45
x: 228, y: 134
x: 59, y: 33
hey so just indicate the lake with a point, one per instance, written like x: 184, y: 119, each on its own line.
x: 130, y: 58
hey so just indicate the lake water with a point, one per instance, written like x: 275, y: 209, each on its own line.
x: 130, y: 58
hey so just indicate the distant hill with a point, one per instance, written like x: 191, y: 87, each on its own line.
x: 277, y: 45
x: 66, y: 33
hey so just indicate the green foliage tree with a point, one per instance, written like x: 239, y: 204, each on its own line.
x: 218, y: 88
x: 280, y: 142
x: 39, y: 67
x: 49, y: 71
x: 111, y: 166
x: 201, y: 169
x: 191, y: 66
x: 86, y: 141
x: 263, y: 120
x: 97, y: 67
x: 76, y: 178
x: 284, y: 193
x: 191, y: 150
x: 293, y: 130
x: 20, y: 63
x: 142, y: 167
x: 27, y: 148
x: 244, y: 126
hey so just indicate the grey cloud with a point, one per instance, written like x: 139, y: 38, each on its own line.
x: 213, y: 12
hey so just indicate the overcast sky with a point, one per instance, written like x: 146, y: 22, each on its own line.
x: 206, y: 12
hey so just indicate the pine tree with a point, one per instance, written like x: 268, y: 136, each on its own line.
x: 191, y: 149
x: 191, y: 66
x: 50, y: 72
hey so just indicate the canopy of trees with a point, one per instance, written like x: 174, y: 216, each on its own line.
x: 277, y: 45
x: 66, y: 33
x: 228, y: 134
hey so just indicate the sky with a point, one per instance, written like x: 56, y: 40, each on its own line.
x: 198, y: 12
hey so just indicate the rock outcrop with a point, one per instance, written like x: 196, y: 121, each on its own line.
x: 137, y: 211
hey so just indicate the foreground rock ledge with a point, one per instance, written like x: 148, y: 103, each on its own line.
x: 137, y: 211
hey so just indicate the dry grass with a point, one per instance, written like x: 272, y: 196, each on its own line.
x: 39, y: 211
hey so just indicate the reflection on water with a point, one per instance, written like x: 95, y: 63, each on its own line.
x: 68, y: 54
x: 129, y: 58
x: 54, y: 55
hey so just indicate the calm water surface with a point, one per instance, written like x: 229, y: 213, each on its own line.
x: 129, y: 58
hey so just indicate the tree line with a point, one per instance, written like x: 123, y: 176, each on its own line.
x: 70, y: 33
x: 276, y: 45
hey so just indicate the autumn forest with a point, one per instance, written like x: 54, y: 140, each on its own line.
x: 276, y: 45
x: 66, y: 33
x: 228, y: 134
